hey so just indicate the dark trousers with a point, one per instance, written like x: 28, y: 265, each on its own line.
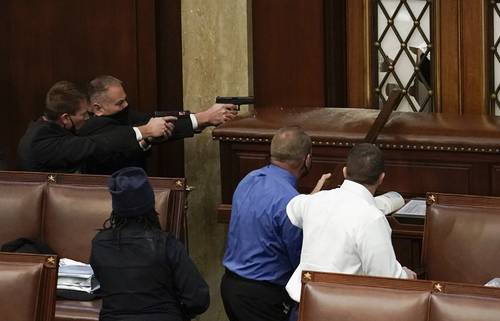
x: 250, y: 300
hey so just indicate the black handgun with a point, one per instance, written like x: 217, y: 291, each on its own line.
x: 175, y: 113
x: 235, y: 100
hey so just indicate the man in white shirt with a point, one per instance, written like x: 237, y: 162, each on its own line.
x: 343, y: 230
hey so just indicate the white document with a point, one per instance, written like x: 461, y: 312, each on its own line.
x: 494, y: 283
x: 389, y: 202
x: 413, y: 207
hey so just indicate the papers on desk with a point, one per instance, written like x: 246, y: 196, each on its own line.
x: 412, y: 208
x: 389, y: 202
x: 76, y: 276
x: 494, y: 283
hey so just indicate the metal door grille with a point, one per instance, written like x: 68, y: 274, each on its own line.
x: 403, y: 49
x: 495, y: 56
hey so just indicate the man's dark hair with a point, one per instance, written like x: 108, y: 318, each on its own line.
x: 290, y: 144
x: 63, y: 97
x: 98, y: 86
x: 365, y: 163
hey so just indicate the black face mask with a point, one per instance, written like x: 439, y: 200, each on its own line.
x: 306, y: 169
x: 121, y: 116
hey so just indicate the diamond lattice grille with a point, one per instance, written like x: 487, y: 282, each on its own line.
x: 404, y: 49
x: 495, y: 43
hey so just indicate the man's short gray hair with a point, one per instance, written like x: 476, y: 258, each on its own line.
x: 290, y: 144
x: 99, y: 85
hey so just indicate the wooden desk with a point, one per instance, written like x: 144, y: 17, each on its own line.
x: 423, y: 153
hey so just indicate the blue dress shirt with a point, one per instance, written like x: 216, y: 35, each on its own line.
x: 262, y: 243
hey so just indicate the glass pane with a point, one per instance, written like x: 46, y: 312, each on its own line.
x: 404, y: 51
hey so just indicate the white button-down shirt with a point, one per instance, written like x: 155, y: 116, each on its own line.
x: 343, y: 232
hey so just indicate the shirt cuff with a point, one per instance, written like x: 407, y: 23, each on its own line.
x: 138, y: 134
x: 144, y: 145
x: 194, y: 121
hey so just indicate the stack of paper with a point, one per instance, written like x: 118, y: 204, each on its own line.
x: 76, y: 276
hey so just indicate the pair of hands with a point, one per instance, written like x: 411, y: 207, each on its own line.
x: 160, y: 127
x: 217, y: 114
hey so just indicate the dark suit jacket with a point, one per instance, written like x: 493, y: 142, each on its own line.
x: 105, y: 124
x: 48, y: 147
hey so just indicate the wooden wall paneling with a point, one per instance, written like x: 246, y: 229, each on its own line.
x: 107, y: 36
x: 169, y: 54
x: 335, y: 53
x: 422, y: 175
x: 170, y: 159
x: 495, y: 180
x: 415, y: 172
x: 474, y: 47
x: 47, y: 41
x: 237, y: 160
x: 447, y: 53
x: 324, y: 161
x: 407, y: 249
x: 146, y: 54
x: 288, y: 53
x: 462, y: 57
x: 412, y: 173
x: 229, y: 170
x: 360, y: 82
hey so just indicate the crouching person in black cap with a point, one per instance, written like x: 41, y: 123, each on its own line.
x: 145, y: 274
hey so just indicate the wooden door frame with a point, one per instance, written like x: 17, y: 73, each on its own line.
x: 460, y: 55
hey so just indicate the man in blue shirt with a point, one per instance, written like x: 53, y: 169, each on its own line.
x: 263, y: 246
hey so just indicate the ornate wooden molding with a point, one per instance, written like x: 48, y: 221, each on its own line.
x: 340, y: 143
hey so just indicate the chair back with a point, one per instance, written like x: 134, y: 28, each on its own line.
x: 333, y: 296
x: 462, y: 238
x: 27, y: 286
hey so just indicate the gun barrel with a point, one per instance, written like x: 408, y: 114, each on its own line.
x: 235, y: 100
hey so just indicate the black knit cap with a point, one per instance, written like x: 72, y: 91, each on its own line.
x: 131, y: 193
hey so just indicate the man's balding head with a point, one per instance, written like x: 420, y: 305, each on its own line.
x: 290, y: 145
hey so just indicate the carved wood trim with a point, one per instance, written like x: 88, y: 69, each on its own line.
x: 474, y: 46
x: 341, y: 143
x: 461, y: 57
x: 360, y: 82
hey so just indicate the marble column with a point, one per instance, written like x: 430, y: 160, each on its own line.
x: 215, y: 62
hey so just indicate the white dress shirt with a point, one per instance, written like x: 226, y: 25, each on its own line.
x: 343, y: 232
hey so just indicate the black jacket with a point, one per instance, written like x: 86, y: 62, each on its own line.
x: 103, y: 125
x: 48, y: 147
x: 146, y: 275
